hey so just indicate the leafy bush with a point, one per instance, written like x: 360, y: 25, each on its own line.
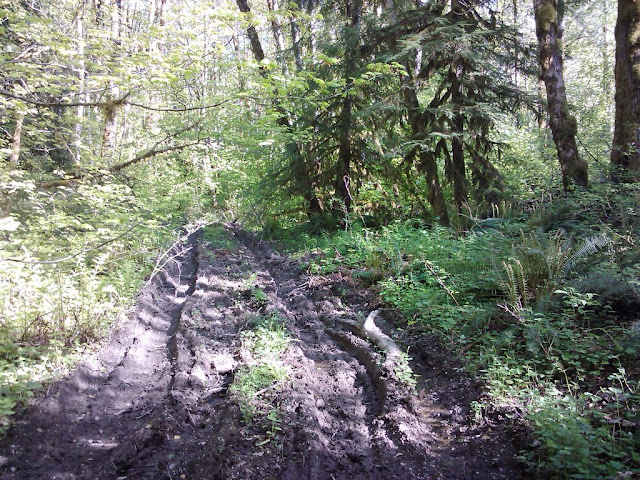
x: 72, y: 260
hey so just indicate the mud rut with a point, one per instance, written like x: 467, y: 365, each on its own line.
x: 154, y: 403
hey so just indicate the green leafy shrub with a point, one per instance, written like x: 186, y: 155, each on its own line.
x: 72, y: 260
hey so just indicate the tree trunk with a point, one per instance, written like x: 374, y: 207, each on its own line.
x: 427, y: 162
x: 312, y: 203
x: 276, y: 30
x: 295, y: 41
x: 82, y: 77
x: 111, y: 108
x: 345, y: 152
x: 158, y: 14
x: 16, y: 141
x: 343, y: 165
x: 110, y: 113
x: 625, y: 154
x: 564, y: 126
x: 252, y: 33
x: 429, y: 166
x: 458, y: 169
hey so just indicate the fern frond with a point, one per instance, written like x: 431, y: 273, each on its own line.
x: 523, y: 287
x: 589, y: 246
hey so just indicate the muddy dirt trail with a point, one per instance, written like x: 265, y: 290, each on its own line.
x: 155, y: 402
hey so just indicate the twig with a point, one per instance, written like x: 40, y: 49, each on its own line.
x: 185, y: 109
x: 301, y: 287
x: 116, y: 168
x: 265, y: 390
x: 439, y: 280
x: 157, y: 268
x: 120, y: 101
x: 64, y: 259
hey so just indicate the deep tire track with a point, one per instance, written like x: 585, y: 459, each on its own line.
x: 100, y: 410
x: 155, y: 404
x: 365, y: 449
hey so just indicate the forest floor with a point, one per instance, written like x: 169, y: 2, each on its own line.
x: 155, y: 402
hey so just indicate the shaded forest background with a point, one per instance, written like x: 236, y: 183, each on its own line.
x: 474, y: 161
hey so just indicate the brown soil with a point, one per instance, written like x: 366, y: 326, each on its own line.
x: 154, y: 403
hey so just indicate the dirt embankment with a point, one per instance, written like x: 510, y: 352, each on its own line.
x: 155, y: 402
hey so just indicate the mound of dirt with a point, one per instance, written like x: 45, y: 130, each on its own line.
x: 155, y: 402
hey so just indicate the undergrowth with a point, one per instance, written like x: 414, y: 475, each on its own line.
x: 60, y: 295
x: 541, y: 307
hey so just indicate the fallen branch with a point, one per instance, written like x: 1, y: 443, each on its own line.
x: 368, y: 330
x: 38, y: 103
x: 160, y: 264
x: 116, y: 168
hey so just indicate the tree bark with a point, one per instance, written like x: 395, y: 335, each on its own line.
x: 252, y: 33
x: 295, y: 41
x: 158, y: 13
x: 16, y: 141
x: 564, y: 126
x: 345, y: 150
x: 276, y: 30
x: 312, y: 203
x: 110, y: 113
x: 456, y: 73
x: 82, y: 77
x: 458, y: 168
x: 625, y: 154
x: 427, y: 162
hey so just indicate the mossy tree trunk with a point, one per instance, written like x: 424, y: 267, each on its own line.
x: 353, y: 9
x: 456, y: 72
x: 564, y: 127
x: 16, y: 141
x: 458, y: 168
x: 427, y: 164
x: 304, y: 183
x: 625, y: 154
x: 427, y: 160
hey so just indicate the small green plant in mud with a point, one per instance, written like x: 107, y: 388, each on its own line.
x: 274, y: 417
x: 403, y: 372
x: 259, y: 297
x: 196, y: 317
x: 262, y: 374
x: 217, y: 237
x: 250, y: 281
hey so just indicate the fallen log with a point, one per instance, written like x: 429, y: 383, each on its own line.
x: 376, y: 336
x: 368, y: 330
